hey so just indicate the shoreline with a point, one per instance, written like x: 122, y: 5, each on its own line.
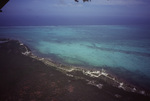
x: 99, y: 74
x: 101, y: 79
x: 94, y: 73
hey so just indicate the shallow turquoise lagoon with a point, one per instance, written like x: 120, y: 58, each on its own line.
x: 95, y: 46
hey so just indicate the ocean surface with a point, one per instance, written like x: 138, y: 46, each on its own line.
x: 122, y: 49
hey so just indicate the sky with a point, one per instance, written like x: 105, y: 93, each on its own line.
x: 69, y: 12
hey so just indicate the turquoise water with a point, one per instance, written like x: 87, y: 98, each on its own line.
x: 111, y: 46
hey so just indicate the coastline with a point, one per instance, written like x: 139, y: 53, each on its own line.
x: 99, y: 74
x: 96, y: 78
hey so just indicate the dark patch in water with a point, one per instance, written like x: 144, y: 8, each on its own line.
x: 136, y: 78
x: 121, y: 51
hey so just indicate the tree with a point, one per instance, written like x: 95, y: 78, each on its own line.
x: 2, y: 3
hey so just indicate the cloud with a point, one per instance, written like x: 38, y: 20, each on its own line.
x: 66, y: 3
x: 93, y: 2
x: 109, y: 2
x: 119, y: 2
